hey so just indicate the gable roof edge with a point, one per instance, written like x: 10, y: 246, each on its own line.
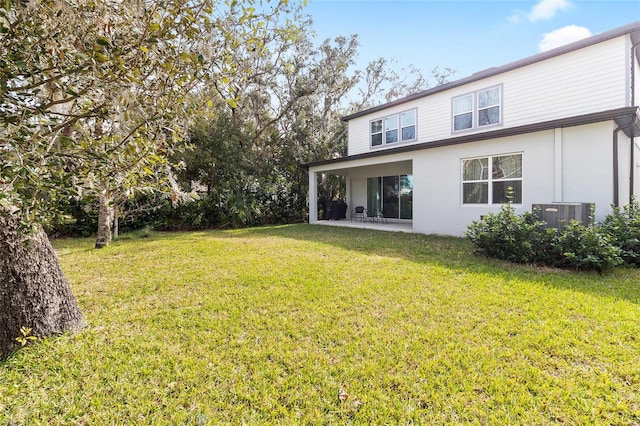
x: 633, y: 29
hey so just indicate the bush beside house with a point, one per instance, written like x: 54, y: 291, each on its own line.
x: 525, y: 239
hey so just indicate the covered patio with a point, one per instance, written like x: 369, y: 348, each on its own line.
x: 383, y: 188
x: 404, y: 226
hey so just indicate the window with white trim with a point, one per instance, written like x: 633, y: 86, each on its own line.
x: 393, y: 128
x: 463, y: 113
x: 376, y: 133
x: 408, y: 123
x: 477, y: 109
x: 492, y: 180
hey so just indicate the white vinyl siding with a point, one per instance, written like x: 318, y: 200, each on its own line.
x: 588, y: 80
x: 581, y: 82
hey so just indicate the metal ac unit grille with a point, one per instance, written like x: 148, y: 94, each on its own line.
x: 558, y: 215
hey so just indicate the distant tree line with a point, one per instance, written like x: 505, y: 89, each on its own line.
x: 278, y: 106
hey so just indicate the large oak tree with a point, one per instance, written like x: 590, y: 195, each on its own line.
x: 94, y: 98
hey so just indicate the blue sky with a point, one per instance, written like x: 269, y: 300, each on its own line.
x: 467, y: 36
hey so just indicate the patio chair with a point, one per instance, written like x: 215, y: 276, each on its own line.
x: 359, y: 212
x: 377, y: 216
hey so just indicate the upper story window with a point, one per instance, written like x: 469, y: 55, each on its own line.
x: 477, y: 109
x: 492, y: 180
x: 393, y: 128
x: 463, y: 112
x: 408, y: 121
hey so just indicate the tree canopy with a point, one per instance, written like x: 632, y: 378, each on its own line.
x: 95, y: 95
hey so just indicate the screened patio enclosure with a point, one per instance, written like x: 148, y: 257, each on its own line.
x: 384, y: 190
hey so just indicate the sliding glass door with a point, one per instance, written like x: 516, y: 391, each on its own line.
x: 390, y: 200
x: 374, y: 196
x: 406, y: 197
x: 392, y: 196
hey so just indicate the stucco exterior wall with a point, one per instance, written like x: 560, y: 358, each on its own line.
x: 437, y: 181
x: 437, y: 176
x: 588, y: 165
x: 573, y: 164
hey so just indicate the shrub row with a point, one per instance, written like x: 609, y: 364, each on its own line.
x: 260, y: 204
x: 525, y: 239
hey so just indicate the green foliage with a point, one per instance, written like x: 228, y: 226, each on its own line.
x: 25, y: 336
x: 524, y: 239
x: 241, y: 210
x: 95, y: 99
x: 508, y: 236
x: 77, y: 219
x: 585, y: 247
x: 246, y: 181
x: 623, y: 229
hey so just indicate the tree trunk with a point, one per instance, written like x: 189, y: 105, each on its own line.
x: 105, y: 220
x: 116, y: 225
x: 34, y: 292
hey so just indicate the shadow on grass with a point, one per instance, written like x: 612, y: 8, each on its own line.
x: 456, y: 254
x: 452, y: 253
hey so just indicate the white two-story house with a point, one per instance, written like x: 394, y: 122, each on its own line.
x: 558, y: 126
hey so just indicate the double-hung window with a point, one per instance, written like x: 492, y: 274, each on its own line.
x: 408, y: 122
x: 492, y: 180
x: 477, y: 109
x: 376, y: 133
x: 489, y: 106
x: 393, y: 128
x: 463, y: 112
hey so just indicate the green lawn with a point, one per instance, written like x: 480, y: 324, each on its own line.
x: 267, y: 325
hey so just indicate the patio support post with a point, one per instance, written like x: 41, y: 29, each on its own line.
x: 313, y: 196
x: 347, y: 197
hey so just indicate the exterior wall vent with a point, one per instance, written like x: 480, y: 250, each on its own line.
x: 558, y: 215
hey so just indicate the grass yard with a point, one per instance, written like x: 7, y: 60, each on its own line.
x: 267, y: 325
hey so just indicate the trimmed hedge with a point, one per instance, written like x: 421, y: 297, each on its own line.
x: 524, y: 239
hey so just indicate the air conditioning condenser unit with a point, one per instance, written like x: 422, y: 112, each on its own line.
x: 558, y: 215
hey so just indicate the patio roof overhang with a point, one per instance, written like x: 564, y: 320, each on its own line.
x: 619, y: 115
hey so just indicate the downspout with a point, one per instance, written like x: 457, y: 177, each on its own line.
x: 616, y: 195
x: 632, y: 161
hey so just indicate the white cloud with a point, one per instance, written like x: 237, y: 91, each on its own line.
x: 562, y: 36
x: 515, y: 18
x: 546, y: 9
